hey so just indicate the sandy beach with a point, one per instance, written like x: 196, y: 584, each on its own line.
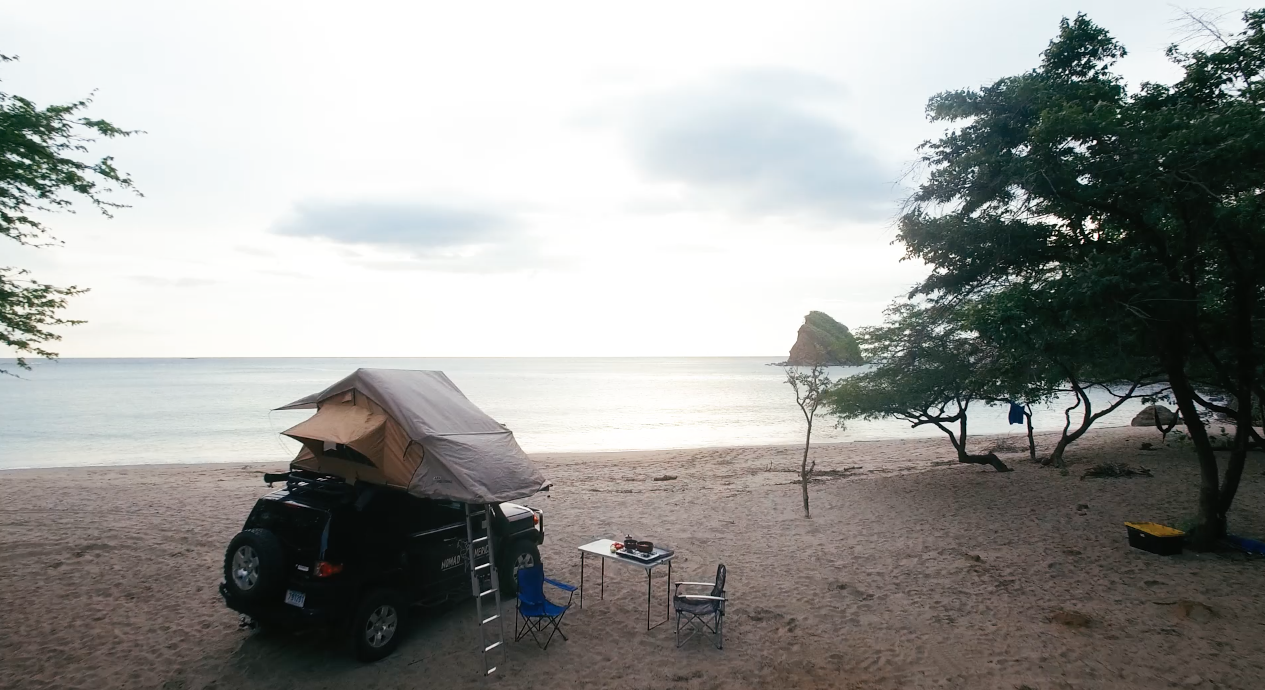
x: 913, y: 572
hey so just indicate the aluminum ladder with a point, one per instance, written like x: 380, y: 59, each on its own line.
x: 481, y: 566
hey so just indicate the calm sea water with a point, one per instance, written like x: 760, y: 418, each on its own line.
x: 133, y: 411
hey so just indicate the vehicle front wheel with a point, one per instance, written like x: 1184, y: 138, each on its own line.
x: 522, y: 553
x: 378, y: 624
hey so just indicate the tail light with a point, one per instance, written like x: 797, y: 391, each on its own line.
x: 324, y: 569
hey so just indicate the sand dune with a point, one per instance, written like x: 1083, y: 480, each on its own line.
x: 912, y: 573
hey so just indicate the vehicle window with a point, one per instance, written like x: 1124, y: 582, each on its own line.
x: 397, y: 511
x: 386, y: 511
x: 411, y: 514
x: 301, y: 527
x: 441, y: 513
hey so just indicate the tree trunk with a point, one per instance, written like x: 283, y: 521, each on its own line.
x: 1258, y: 441
x: 1032, y: 444
x: 1164, y: 429
x: 1245, y: 295
x: 1238, y: 457
x: 1056, y: 458
x: 1260, y: 403
x: 959, y: 444
x: 989, y: 459
x: 1088, y: 417
x: 1210, y: 522
x: 805, y: 472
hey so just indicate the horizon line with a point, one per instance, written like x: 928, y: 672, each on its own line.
x: 13, y: 360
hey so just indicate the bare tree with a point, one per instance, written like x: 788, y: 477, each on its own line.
x: 1081, y: 389
x: 810, y: 388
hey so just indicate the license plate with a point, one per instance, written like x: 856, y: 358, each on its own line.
x: 294, y: 598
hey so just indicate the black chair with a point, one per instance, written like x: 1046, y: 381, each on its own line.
x: 705, y: 613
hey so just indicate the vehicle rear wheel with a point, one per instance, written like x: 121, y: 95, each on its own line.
x: 378, y: 624
x: 254, y: 564
x: 522, y: 553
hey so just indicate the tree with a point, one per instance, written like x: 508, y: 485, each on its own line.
x: 40, y: 166
x: 1148, y: 205
x: 1027, y: 419
x: 927, y: 370
x: 1023, y: 378
x: 810, y: 389
x: 1047, y: 351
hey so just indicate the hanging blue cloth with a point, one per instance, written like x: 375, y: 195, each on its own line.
x: 1016, y: 413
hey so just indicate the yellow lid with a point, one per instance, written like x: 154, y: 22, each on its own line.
x: 1155, y: 529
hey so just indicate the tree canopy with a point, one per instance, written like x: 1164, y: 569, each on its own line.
x: 1044, y: 350
x: 1135, y: 217
x: 927, y: 370
x: 43, y: 167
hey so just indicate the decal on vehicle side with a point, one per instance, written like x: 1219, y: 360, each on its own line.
x: 460, y: 559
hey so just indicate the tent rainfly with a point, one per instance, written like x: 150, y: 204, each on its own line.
x: 413, y: 430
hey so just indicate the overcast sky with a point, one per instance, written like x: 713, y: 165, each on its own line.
x: 507, y: 179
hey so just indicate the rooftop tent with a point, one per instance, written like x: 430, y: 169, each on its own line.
x: 413, y: 430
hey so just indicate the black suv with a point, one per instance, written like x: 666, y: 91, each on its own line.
x: 325, y: 552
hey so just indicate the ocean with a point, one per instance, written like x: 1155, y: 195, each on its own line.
x: 76, y: 412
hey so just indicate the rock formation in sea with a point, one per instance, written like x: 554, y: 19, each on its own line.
x: 822, y: 340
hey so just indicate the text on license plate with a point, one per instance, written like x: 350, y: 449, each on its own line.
x: 294, y: 598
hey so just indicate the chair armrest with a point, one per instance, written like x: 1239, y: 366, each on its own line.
x: 679, y: 585
x: 704, y: 597
x: 562, y: 585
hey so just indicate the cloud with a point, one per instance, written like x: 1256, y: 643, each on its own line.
x: 432, y: 237
x: 156, y: 281
x: 507, y: 258
x: 419, y: 227
x: 763, y: 143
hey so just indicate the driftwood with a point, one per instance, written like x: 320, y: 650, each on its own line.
x: 1115, y: 469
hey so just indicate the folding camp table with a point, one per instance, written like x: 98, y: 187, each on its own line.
x: 602, y: 549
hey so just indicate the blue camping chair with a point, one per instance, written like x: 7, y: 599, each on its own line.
x: 536, y: 612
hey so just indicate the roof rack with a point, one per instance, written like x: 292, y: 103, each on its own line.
x: 302, y: 482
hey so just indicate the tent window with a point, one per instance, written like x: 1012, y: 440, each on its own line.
x: 345, y: 452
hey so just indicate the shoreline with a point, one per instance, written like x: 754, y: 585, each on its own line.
x: 629, y: 453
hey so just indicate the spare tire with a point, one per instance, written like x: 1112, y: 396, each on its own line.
x: 254, y: 565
